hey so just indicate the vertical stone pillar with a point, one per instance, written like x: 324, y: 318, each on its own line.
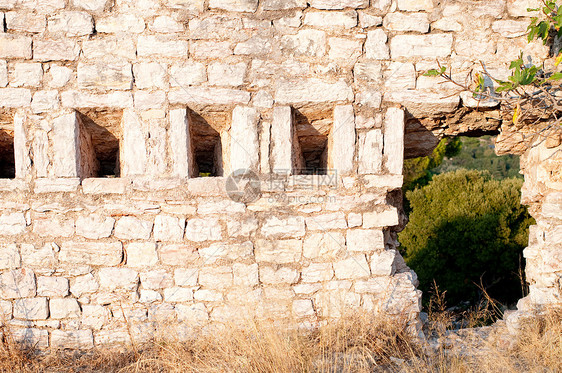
x: 21, y: 151
x: 180, y: 144
x: 370, y: 152
x: 343, y: 139
x: 282, y: 139
x: 133, y: 150
x: 66, y: 153
x: 244, y: 145
x: 394, y: 140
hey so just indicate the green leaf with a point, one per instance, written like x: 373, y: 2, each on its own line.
x: 555, y: 76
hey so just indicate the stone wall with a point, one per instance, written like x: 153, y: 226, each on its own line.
x: 115, y: 108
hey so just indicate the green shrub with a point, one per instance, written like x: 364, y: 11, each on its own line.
x: 465, y: 229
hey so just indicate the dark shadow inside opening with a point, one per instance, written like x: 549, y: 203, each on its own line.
x: 206, y: 147
x: 312, y: 130
x: 7, y: 161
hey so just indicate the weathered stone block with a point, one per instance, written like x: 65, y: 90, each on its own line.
x: 91, y: 5
x: 117, y: 76
x: 209, y: 96
x: 216, y: 277
x: 434, y: 45
x: 86, y: 284
x: 338, y: 4
x: 52, y: 287
x: 375, y: 46
x: 151, y: 75
x: 44, y: 101
x: 133, y: 228
x: 234, y: 5
x: 31, y: 309
x: 227, y: 251
x: 282, y: 4
x: 417, y: 22
x: 168, y: 228
x: 61, y: 49
x: 30, y: 337
x: 345, y: 49
x: 207, y: 229
x: 510, y: 28
x: 177, y: 294
x: 159, y: 46
x: 58, y: 225
x: 245, y: 274
x: 94, y: 316
x: 420, y: 103
x: 94, y: 226
x: 12, y: 223
x: 114, y: 47
x: 188, y: 73
x: 83, y: 99
x: 193, y: 314
x: 353, y: 267
x: 120, y: 23
x: 118, y: 279
x: 42, y: 256
x: 222, y: 74
x: 322, y: 245
x: 305, y: 42
x: 18, y: 283
x: 415, y: 5
x: 25, y: 22
x: 331, y: 19
x: 71, y: 23
x: 387, y: 218
x: 287, y: 227
x: 15, y: 46
x: 318, y: 272
x: 394, y: 140
x: 77, y: 339
x: 384, y: 263
x: 370, y: 152
x: 278, y: 251
x: 244, y: 145
x: 141, y: 254
x: 9, y: 256
x: 283, y: 275
x: 326, y: 222
x: 15, y: 97
x: 312, y: 91
x: 343, y: 139
x: 64, y: 308
x: 178, y: 255
x: 91, y: 253
x: 366, y: 240
x: 210, y: 49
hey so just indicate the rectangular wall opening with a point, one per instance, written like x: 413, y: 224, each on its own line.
x: 101, y: 129
x: 206, y: 142
x: 7, y: 160
x: 312, y: 128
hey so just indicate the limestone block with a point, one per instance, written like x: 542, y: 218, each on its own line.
x: 282, y: 275
x: 305, y: 42
x: 375, y: 46
x: 234, y: 5
x: 141, y: 254
x: 216, y: 277
x: 91, y: 5
x: 186, y: 277
x: 8, y: 4
x: 166, y: 25
x: 18, y: 283
x: 366, y: 240
x: 422, y: 103
x: 133, y: 228
x: 354, y: 220
x: 15, y: 46
x: 518, y: 8
x: 63, y: 308
x: 510, y: 28
x: 180, y: 143
x: 303, y: 308
x: 117, y: 76
x: 3, y: 73
x: 94, y: 316
x: 92, y: 253
x: 30, y: 337
x: 207, y: 229
x: 317, y: 272
x: 400, y: 76
x: 84, y: 99
x: 155, y: 280
x: 289, y: 21
x: 339, y: 4
x: 210, y: 49
x: 44, y: 101
x: 222, y: 74
x: 150, y: 75
x: 323, y: 245
x: 326, y: 222
x: 368, y: 20
x: 12, y: 223
x: 282, y: 136
x: 368, y: 71
x: 5, y: 310
x: 370, y: 152
x: 194, y: 314
x: 343, y: 139
x: 278, y: 251
x: 188, y: 73
x: 215, y: 27
x: 241, y: 228
x: 177, y: 294
x: 394, y: 140
x: 94, y: 226
x: 168, y: 228
x: 286, y: 227
x: 42, y: 256
x: 234, y: 251
x: 434, y: 45
x: 149, y: 296
x: 205, y: 295
x: 415, y: 5
x: 133, y: 152
x: 384, y: 263
x: 177, y: 255
x: 345, y: 49
x: 31, y: 309
x: 254, y: 46
x: 332, y: 19
x: 312, y: 91
x: 25, y: 22
x: 118, y: 279
x: 15, y: 97
x: 244, y: 145
x: 57, y: 225
x: 52, y: 287
x: 220, y: 207
x: 386, y: 218
x: 209, y: 96
x: 71, y: 23
x: 77, y: 339
x: 416, y: 22
x: 9, y: 256
x: 245, y: 274
x: 86, y: 284
x: 447, y: 24
x: 115, y: 47
x: 58, y: 76
x: 125, y: 22
x: 66, y: 148
x: 282, y: 4
x: 160, y: 46
x: 60, y: 49
x: 44, y: 185
x: 353, y: 267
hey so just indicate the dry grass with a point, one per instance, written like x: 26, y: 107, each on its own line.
x: 355, y: 344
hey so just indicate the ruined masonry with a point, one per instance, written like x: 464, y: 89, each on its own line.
x: 121, y: 121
